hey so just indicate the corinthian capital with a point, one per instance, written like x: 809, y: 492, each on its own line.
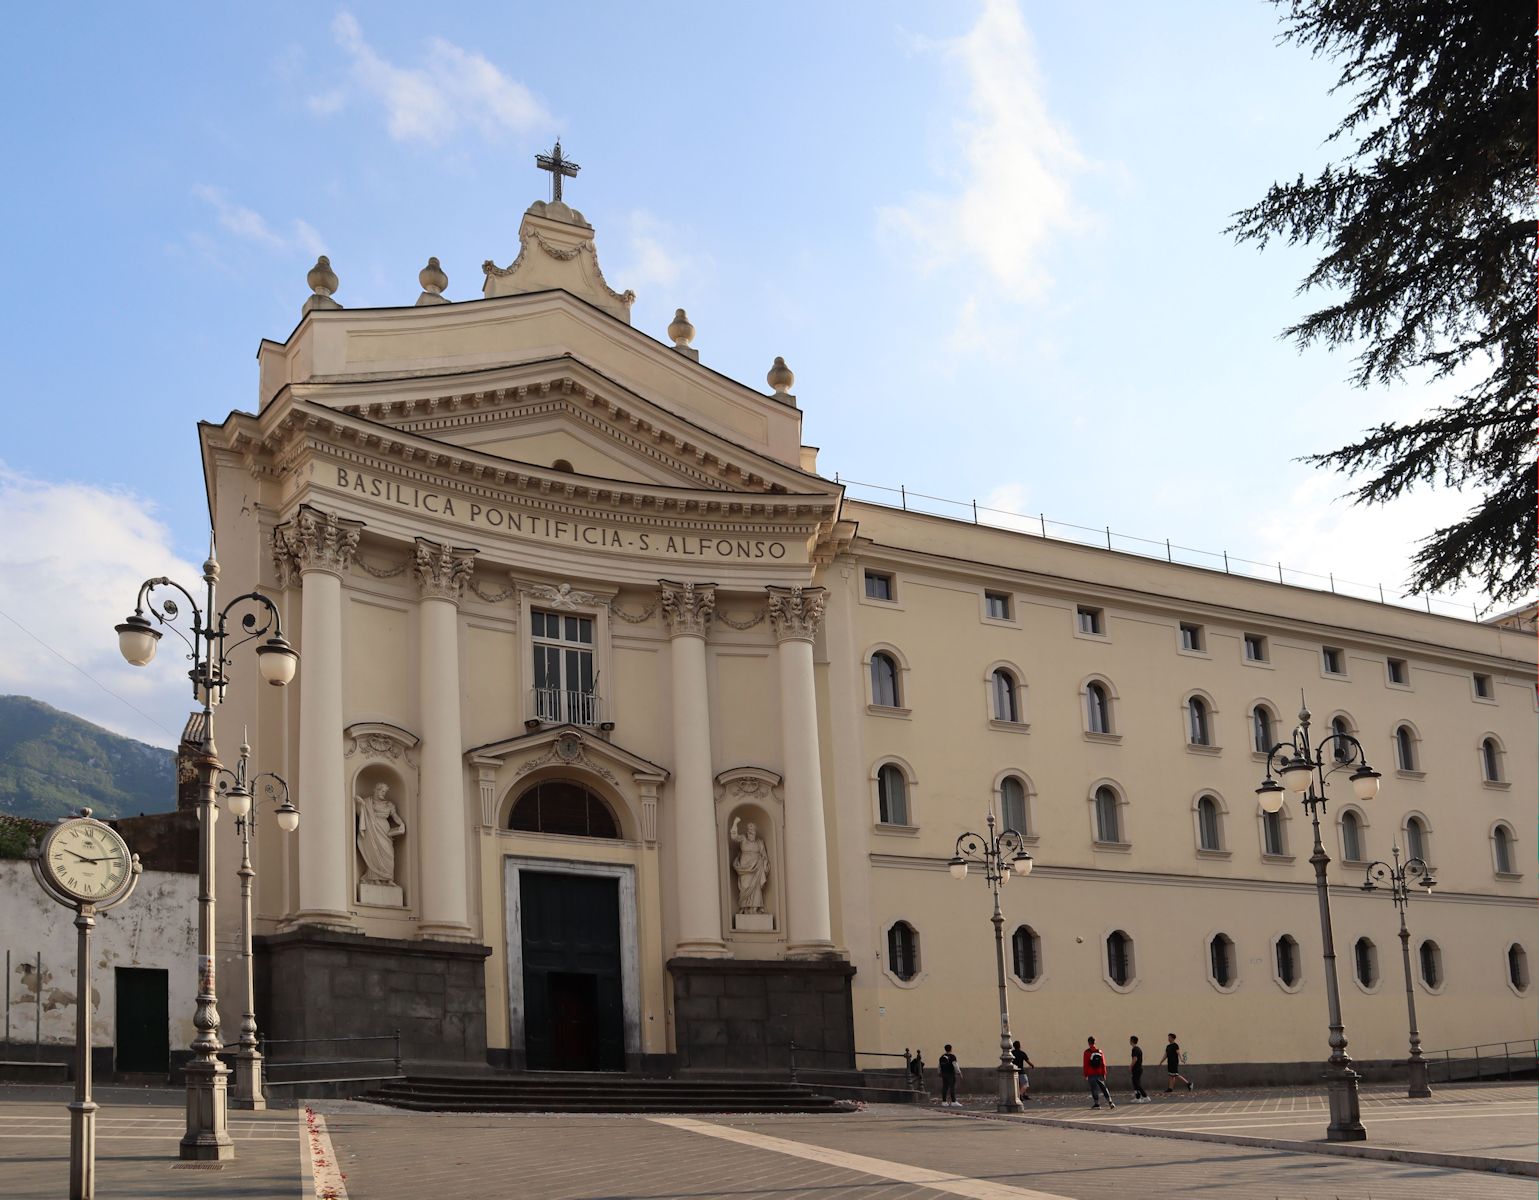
x: 314, y: 541
x: 795, y: 612
x: 687, y: 607
x: 442, y: 571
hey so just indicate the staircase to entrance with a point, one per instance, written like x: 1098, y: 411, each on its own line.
x: 599, y: 1092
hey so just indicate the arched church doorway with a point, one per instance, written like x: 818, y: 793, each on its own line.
x: 569, y: 932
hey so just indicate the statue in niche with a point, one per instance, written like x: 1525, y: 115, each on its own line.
x: 378, y: 827
x: 751, y: 865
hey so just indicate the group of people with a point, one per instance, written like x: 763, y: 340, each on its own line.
x: 1095, y: 1069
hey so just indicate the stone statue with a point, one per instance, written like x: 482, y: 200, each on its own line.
x: 378, y: 826
x: 752, y: 867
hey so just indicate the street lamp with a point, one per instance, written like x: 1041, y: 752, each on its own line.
x: 1303, y: 769
x: 239, y: 789
x: 1000, y: 855
x: 208, y: 1119
x: 1399, y: 876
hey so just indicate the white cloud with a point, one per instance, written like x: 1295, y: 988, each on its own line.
x: 1317, y: 533
x: 454, y: 88
x: 652, y: 253
x: 1014, y: 162
x: 71, y: 562
x: 250, y: 226
x: 1006, y: 506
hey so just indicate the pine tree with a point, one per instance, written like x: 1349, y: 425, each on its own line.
x: 1428, y: 230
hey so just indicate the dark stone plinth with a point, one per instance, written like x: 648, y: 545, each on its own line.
x: 744, y: 1014
x: 321, y: 984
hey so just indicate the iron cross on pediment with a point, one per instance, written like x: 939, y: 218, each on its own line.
x: 558, y: 167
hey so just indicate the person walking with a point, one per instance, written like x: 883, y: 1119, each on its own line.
x: 950, y: 1074
x: 1137, y: 1071
x: 1022, y: 1061
x: 1173, y: 1064
x: 1095, y: 1075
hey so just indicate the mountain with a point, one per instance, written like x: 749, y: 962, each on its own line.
x: 53, y: 763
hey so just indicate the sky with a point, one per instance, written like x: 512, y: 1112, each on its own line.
x: 988, y: 237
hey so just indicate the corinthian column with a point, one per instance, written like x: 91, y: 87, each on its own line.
x: 442, y: 822
x: 319, y: 547
x: 688, y: 608
x: 795, y: 614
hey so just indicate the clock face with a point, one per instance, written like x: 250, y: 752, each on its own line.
x: 87, y: 860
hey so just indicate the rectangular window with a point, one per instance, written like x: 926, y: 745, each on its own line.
x: 1191, y: 637
x: 997, y: 605
x: 1091, y: 620
x: 878, y: 586
x: 1483, y: 688
x: 1272, y: 834
x: 1333, y: 661
x: 1255, y: 648
x: 1399, y: 671
x: 563, y: 668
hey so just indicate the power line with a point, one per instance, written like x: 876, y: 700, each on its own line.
x: 62, y: 658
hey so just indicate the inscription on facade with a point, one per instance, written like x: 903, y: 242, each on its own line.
x: 537, y: 527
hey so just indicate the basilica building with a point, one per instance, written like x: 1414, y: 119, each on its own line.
x: 625, y: 740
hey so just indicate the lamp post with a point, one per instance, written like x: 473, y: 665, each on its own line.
x: 210, y: 645
x: 1303, y: 769
x: 1399, y: 876
x: 999, y: 854
x: 239, y: 789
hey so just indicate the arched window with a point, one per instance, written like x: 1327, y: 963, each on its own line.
x: 1012, y: 804
x: 903, y: 951
x: 1108, y: 821
x: 1098, y: 713
x: 1002, y: 690
x: 1416, y: 838
x: 1491, y: 760
x: 1274, y: 839
x: 1026, y: 954
x: 1341, y: 749
x: 1517, y: 967
x: 1405, y: 748
x: 884, y: 681
x: 562, y: 464
x: 1209, y: 834
x: 1365, y: 962
x: 1287, y: 950
x: 1119, y: 958
x: 563, y: 806
x: 1352, y: 837
x: 1261, y: 729
x: 891, y: 795
x: 1221, y: 959
x: 1431, y: 964
x: 1501, y: 844
x: 1197, y: 722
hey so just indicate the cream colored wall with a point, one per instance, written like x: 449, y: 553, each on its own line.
x: 1174, y: 896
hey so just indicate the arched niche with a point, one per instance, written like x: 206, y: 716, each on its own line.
x: 751, y: 796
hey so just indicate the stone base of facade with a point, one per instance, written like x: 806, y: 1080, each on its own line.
x: 744, y: 1014
x: 318, y: 984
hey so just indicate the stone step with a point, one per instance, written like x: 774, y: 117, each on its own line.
x: 596, y: 1093
x: 597, y: 1106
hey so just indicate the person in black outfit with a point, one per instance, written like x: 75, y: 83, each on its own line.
x: 949, y: 1075
x: 1022, y: 1060
x: 1173, y: 1065
x: 1139, y: 1095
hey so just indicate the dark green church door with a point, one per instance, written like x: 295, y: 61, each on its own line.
x: 573, y: 1020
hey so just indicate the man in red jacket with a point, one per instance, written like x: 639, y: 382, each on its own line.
x: 1095, y: 1075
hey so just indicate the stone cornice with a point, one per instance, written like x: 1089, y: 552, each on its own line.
x: 795, y: 613
x: 314, y: 540
x: 687, y: 607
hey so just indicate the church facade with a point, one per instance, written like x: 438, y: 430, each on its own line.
x: 624, y: 739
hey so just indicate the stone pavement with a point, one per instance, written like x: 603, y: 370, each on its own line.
x: 1477, y: 1126
x: 352, y: 1151
x: 137, y: 1136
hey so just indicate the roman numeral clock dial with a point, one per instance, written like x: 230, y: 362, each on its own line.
x: 86, y: 860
